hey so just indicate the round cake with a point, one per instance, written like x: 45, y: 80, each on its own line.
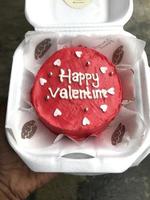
x: 77, y: 92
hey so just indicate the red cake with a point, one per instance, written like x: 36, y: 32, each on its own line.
x: 77, y: 92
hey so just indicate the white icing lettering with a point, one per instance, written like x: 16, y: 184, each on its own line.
x: 88, y: 93
x: 53, y: 94
x: 63, y: 76
x: 70, y: 92
x: 75, y: 94
x: 64, y: 93
x: 81, y: 78
x: 98, y: 94
x: 89, y: 83
x: 104, y: 93
x: 96, y: 79
x: 75, y: 77
x: 87, y: 78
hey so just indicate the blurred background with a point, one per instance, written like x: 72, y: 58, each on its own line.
x: 133, y: 184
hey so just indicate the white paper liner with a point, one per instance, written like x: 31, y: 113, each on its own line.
x: 61, y: 146
x: 93, y: 146
x: 29, y: 49
x: 41, y: 138
x: 132, y: 139
x: 132, y: 47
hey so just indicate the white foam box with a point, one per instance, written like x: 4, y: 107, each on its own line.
x: 102, y: 18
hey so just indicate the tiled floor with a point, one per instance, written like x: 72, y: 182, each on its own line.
x: 132, y: 185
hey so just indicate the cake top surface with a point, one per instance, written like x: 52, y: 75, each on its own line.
x: 77, y: 92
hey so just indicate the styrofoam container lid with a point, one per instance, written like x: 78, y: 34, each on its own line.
x: 46, y: 14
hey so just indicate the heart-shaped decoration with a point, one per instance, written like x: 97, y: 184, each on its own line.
x: 111, y: 91
x: 79, y: 54
x: 104, y: 107
x: 43, y: 81
x: 103, y: 70
x: 57, y: 113
x: 86, y: 121
x: 57, y: 63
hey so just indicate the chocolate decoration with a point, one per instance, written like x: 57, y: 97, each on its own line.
x: 118, y: 55
x: 88, y: 63
x: 50, y: 74
x: 111, y: 73
x: 29, y: 130
x: 118, y: 135
x: 86, y: 109
x: 46, y: 98
x: 42, y: 48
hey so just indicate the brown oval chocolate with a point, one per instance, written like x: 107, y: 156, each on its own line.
x: 29, y: 130
x: 118, y: 134
x: 118, y: 55
x: 42, y: 48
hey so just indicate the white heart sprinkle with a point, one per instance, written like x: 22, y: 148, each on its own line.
x: 43, y: 81
x: 103, y: 70
x: 48, y: 97
x: 57, y: 113
x: 57, y: 63
x: 86, y: 121
x: 111, y: 91
x: 78, y: 54
x: 104, y: 107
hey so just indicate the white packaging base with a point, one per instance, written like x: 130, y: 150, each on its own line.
x: 40, y: 149
x: 45, y: 152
